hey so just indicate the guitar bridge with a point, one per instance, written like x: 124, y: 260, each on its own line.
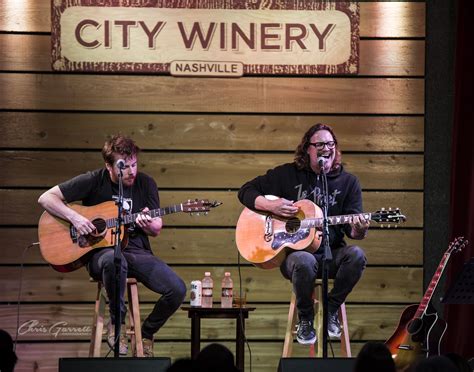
x: 73, y: 233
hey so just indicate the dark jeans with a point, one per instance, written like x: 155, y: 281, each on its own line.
x: 301, y: 268
x: 147, y: 269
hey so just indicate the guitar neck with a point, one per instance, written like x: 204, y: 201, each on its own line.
x: 333, y: 220
x: 129, y: 218
x: 431, y: 288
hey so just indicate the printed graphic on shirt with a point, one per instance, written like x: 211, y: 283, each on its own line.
x: 127, y: 207
x: 127, y: 203
x: 316, y: 194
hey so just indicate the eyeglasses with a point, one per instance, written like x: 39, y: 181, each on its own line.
x: 320, y: 145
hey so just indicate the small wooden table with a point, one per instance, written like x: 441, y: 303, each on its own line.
x: 198, y: 313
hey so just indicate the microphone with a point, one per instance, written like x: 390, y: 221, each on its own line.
x: 120, y: 164
x: 321, y: 161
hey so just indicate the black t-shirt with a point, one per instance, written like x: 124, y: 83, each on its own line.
x: 96, y: 187
x: 289, y: 182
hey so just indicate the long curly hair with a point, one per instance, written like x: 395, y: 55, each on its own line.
x: 301, y: 153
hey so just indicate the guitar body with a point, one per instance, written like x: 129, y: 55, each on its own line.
x: 420, y: 330
x: 416, y: 338
x: 67, y: 252
x: 267, y: 251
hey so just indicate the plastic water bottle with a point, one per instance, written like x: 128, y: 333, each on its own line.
x: 227, y: 291
x: 207, y: 285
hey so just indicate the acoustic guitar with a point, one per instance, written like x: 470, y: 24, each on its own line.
x: 420, y: 329
x: 265, y: 239
x: 65, y: 250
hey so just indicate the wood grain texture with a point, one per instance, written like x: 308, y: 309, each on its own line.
x: 255, y: 95
x: 203, y: 170
x: 392, y: 19
x: 378, y: 284
x: 268, y: 322
x: 217, y: 246
x: 225, y: 132
x: 377, y: 19
x: 209, y: 133
x: 23, y: 208
x: 377, y: 57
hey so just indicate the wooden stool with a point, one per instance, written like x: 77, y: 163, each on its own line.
x: 134, y: 329
x: 318, y: 310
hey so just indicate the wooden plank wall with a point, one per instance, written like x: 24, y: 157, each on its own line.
x: 204, y: 137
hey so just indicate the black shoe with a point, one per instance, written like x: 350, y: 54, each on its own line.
x: 334, y: 327
x: 305, y: 334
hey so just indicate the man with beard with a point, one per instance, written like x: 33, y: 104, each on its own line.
x: 140, y: 194
x: 301, y: 180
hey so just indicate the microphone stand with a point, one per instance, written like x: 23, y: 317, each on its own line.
x: 118, y: 263
x: 327, y: 255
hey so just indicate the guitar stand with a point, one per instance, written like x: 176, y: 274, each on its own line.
x: 462, y: 290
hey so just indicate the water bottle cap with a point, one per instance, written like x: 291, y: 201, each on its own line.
x: 226, y: 273
x: 207, y: 273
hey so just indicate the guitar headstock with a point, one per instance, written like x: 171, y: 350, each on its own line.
x: 389, y: 217
x: 199, y: 206
x: 457, y: 244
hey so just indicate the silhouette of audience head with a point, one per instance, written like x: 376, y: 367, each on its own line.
x: 439, y: 363
x: 374, y: 356
x: 181, y: 365
x: 215, y: 358
x: 8, y: 357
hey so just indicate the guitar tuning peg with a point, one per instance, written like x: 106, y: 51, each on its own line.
x: 198, y: 214
x: 382, y: 209
x: 206, y: 213
x: 389, y: 208
x: 381, y: 226
x: 389, y: 226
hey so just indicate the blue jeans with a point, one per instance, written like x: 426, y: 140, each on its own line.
x: 147, y: 269
x: 301, y: 268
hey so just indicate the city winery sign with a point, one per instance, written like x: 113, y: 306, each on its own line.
x: 207, y: 38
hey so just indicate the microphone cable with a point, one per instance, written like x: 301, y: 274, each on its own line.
x: 19, y: 293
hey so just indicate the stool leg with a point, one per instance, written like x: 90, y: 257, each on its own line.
x: 290, y: 328
x: 318, y: 310
x: 345, y: 342
x: 135, y: 321
x: 97, y: 323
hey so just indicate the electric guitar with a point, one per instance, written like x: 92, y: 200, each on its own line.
x: 65, y: 250
x: 420, y: 330
x: 265, y: 239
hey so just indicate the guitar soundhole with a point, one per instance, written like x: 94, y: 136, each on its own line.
x: 414, y: 326
x: 101, y: 227
x: 292, y: 225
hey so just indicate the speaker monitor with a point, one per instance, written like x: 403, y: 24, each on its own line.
x: 316, y: 364
x: 114, y: 364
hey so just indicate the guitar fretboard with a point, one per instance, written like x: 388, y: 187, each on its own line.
x: 431, y: 288
x: 333, y: 220
x: 129, y: 218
